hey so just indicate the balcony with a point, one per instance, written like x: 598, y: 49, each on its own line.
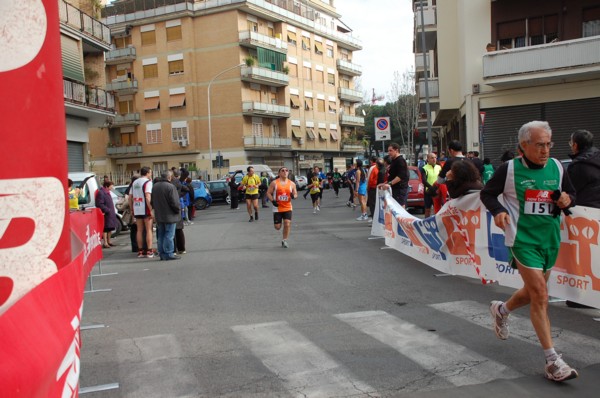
x: 430, y: 22
x: 120, y: 56
x: 265, y: 142
x: 434, y: 89
x: 124, y: 150
x: 96, y: 33
x: 94, y: 104
x: 570, y: 60
x: 127, y: 119
x: 123, y: 87
x: 348, y: 94
x: 253, y: 39
x: 351, y: 120
x: 261, y: 109
x: 348, y: 68
x: 266, y: 76
x: 352, y: 146
x: 420, y: 65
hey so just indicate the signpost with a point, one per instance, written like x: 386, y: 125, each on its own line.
x: 382, y: 130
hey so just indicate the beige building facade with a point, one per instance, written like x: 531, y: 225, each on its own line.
x: 503, y: 63
x: 279, y: 73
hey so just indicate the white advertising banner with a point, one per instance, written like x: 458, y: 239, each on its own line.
x: 462, y: 239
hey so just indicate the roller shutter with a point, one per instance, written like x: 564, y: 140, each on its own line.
x: 75, y: 156
x: 72, y: 60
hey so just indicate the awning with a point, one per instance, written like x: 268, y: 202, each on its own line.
x: 334, y: 135
x: 319, y: 46
x: 323, y: 134
x: 310, y: 132
x: 176, y: 100
x: 295, y: 100
x: 151, y: 104
x: 292, y: 36
x: 297, y: 133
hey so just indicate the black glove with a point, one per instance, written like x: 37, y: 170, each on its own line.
x: 432, y: 190
x: 275, y: 203
x: 556, y: 211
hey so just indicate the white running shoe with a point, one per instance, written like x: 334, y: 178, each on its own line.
x: 315, y: 210
x: 362, y: 217
x: 284, y: 244
x: 499, y: 321
x: 558, y: 370
x: 318, y: 208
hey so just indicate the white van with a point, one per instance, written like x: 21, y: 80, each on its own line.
x: 258, y: 169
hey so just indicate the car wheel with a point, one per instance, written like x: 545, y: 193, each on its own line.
x: 228, y: 199
x: 200, y: 204
x: 118, y: 230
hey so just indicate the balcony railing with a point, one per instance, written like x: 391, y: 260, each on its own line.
x: 348, y: 68
x: 352, y: 145
x: 127, y: 119
x: 124, y: 150
x: 348, y: 94
x: 253, y: 39
x: 267, y: 142
x: 129, y: 86
x: 572, y: 58
x: 91, y: 97
x: 429, y: 17
x: 420, y: 65
x: 75, y: 18
x: 265, y: 76
x: 253, y: 108
x: 351, y: 120
x: 120, y: 55
x: 434, y: 88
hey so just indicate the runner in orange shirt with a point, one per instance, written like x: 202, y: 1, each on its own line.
x: 280, y: 193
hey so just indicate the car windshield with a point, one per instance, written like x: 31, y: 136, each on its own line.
x: 413, y: 174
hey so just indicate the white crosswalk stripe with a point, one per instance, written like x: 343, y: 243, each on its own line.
x: 456, y: 363
x: 572, y: 344
x: 305, y: 369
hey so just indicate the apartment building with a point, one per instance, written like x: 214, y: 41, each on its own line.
x: 208, y: 84
x: 84, y: 40
x: 499, y: 64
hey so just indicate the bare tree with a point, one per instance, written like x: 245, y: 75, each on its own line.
x: 403, y: 108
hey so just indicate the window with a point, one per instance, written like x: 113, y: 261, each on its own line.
x: 128, y: 138
x: 148, y: 38
x: 153, y: 136
x: 331, y: 79
x: 333, y: 134
x: 253, y: 26
x: 345, y: 83
x: 179, y: 134
x: 257, y: 129
x: 307, y: 73
x: 320, y: 105
x: 310, y: 132
x: 297, y: 133
x: 332, y: 107
x: 295, y: 101
x: 150, y: 71
x: 308, y: 104
x: 174, y: 33
x: 293, y: 69
x: 152, y: 103
x: 319, y: 76
x: 306, y: 43
x: 176, y: 67
x: 122, y: 42
x: 176, y: 100
x: 125, y: 107
x: 291, y: 38
x: 275, y: 129
x: 591, y: 22
x: 330, y: 51
x: 270, y: 31
x: 318, y: 48
x: 323, y: 134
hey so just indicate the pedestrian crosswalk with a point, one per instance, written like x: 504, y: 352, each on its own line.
x: 306, y: 365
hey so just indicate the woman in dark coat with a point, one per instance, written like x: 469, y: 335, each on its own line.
x: 105, y: 203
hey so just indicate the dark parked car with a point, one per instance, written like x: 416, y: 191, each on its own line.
x: 202, y: 198
x: 415, y: 189
x: 219, y: 191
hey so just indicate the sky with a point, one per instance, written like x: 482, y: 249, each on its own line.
x: 385, y: 28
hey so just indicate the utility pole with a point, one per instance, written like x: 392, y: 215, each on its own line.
x: 427, y: 106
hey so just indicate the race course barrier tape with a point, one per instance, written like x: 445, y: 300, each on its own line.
x: 462, y: 239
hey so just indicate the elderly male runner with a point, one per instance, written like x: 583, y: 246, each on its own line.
x: 532, y: 186
x: 280, y: 193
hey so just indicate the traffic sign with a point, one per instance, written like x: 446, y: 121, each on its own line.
x: 382, y: 129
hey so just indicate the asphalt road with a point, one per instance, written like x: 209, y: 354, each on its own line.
x: 335, y: 315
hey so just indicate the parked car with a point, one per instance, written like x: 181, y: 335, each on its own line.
x: 202, y: 198
x: 219, y: 190
x: 416, y: 190
x: 301, y: 182
x: 121, y: 188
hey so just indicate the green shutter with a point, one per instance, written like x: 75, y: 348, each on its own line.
x: 72, y: 60
x: 270, y: 59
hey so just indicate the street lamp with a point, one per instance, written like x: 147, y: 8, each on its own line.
x: 209, y: 120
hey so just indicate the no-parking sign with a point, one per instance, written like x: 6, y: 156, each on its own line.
x: 382, y: 129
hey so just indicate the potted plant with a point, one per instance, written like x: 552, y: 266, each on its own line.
x: 249, y: 61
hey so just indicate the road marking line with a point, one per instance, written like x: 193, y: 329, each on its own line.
x: 154, y: 366
x: 457, y: 364
x: 574, y: 345
x: 305, y: 369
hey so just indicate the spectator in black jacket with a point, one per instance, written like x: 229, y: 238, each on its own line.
x: 165, y: 202
x: 584, y: 171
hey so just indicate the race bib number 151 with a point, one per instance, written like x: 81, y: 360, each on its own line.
x: 538, y: 202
